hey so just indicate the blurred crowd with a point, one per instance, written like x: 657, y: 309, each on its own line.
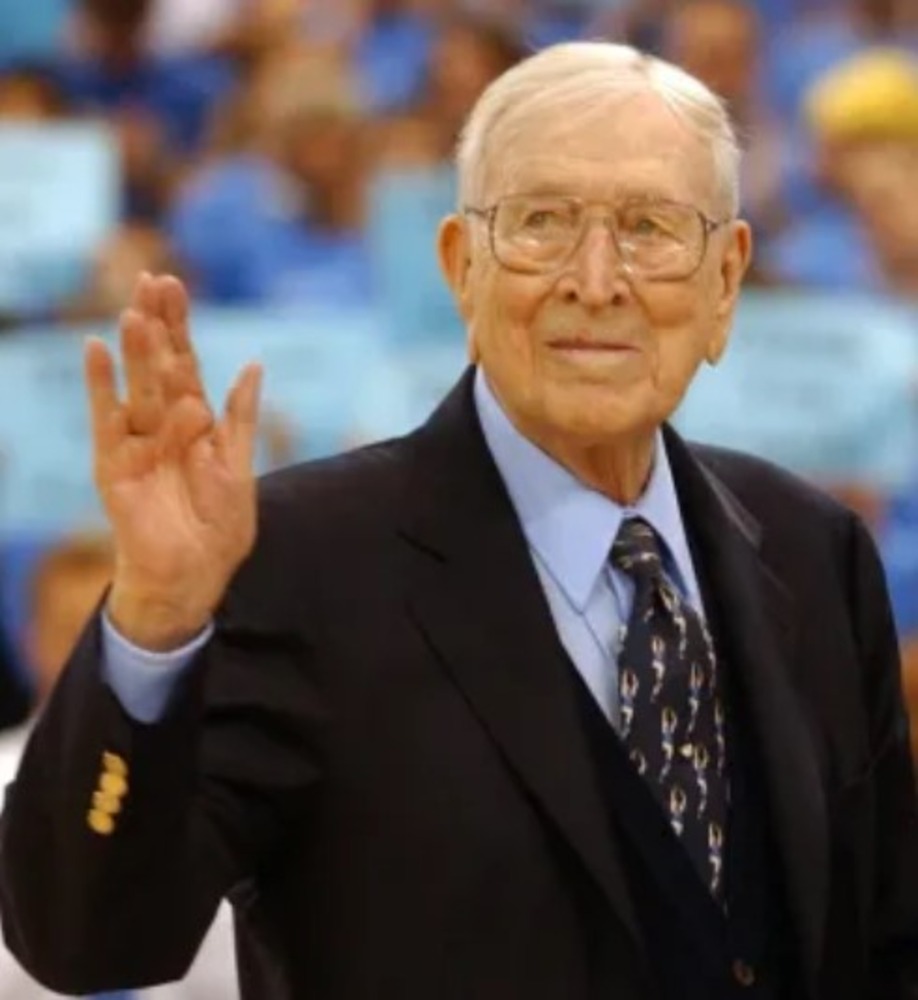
x: 251, y: 132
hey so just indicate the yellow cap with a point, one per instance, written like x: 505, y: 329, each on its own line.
x: 871, y: 96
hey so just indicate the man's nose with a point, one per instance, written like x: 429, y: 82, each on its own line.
x: 596, y: 275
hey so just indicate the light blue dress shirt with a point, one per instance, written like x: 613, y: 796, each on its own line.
x: 570, y: 529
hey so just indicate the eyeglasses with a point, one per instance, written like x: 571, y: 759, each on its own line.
x: 657, y: 240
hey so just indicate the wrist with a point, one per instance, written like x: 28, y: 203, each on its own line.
x: 152, y: 623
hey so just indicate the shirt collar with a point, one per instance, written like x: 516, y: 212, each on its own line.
x: 570, y: 526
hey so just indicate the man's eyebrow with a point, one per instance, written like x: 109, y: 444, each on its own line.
x: 626, y: 192
x: 542, y: 187
x: 632, y: 192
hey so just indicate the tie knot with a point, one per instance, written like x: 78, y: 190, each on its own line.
x: 636, y: 550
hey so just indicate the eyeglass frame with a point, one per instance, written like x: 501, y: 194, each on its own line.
x: 489, y: 214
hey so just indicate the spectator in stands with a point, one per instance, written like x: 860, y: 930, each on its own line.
x: 66, y: 584
x: 866, y: 112
x: 160, y: 107
x: 281, y: 221
x: 880, y: 186
x: 468, y: 53
x: 720, y: 42
x: 863, y: 116
x: 248, y: 30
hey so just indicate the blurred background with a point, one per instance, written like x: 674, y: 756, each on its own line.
x: 290, y: 159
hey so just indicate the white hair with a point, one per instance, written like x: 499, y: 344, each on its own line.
x: 576, y: 76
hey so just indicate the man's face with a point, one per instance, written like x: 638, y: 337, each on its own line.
x: 588, y: 353
x: 463, y: 65
x: 323, y: 150
x: 877, y: 179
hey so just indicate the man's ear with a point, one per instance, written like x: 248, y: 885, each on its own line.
x: 455, y: 255
x: 733, y: 266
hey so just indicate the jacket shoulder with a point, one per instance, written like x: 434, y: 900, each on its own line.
x: 364, y: 482
x: 769, y: 491
x: 318, y: 523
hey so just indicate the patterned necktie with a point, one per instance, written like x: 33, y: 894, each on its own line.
x: 672, y: 721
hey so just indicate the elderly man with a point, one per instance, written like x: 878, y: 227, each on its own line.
x: 536, y: 703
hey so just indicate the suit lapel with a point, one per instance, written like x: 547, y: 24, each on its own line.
x: 754, y: 614
x: 475, y: 596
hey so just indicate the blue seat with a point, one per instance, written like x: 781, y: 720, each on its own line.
x: 56, y: 216
x: 839, y: 366
x: 405, y: 212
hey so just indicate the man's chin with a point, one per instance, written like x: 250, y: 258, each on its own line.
x: 600, y: 422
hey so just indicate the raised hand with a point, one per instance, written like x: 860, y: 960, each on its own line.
x: 176, y: 482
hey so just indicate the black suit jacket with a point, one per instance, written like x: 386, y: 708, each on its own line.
x: 379, y: 756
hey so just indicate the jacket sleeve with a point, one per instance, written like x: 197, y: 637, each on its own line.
x: 118, y: 839
x: 894, y: 917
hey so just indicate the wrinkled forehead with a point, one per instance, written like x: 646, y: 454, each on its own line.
x: 622, y: 146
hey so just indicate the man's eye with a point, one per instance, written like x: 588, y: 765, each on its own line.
x: 542, y: 219
x: 646, y: 226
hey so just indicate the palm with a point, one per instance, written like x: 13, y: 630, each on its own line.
x: 172, y: 520
x: 176, y: 483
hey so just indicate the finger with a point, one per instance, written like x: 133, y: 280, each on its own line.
x: 186, y: 423
x: 106, y: 413
x: 237, y: 434
x: 142, y: 369
x: 152, y: 301
x: 146, y: 295
x: 148, y: 302
x: 174, y: 312
x: 184, y: 369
